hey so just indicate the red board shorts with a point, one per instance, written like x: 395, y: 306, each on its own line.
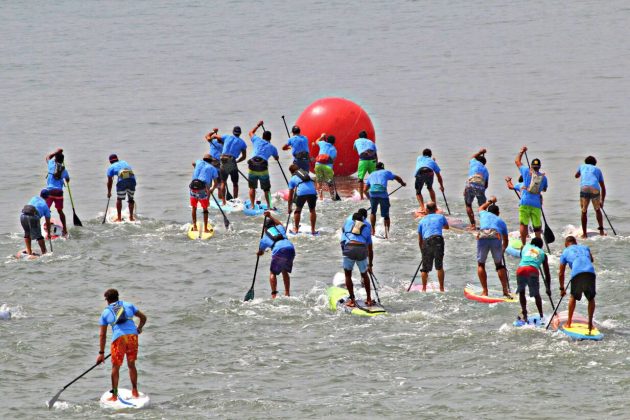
x: 125, y: 345
x: 199, y: 196
x: 55, y: 196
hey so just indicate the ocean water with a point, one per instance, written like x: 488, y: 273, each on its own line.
x: 147, y: 80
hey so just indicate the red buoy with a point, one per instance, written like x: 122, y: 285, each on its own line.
x: 343, y: 119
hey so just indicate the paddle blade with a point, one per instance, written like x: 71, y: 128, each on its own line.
x: 249, y: 295
x: 226, y: 222
x: 548, y: 234
x: 76, y: 220
x: 54, y: 399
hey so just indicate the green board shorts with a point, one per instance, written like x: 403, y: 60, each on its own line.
x: 366, y: 166
x: 529, y: 213
x: 324, y: 173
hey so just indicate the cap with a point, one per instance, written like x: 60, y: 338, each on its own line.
x: 44, y: 193
x: 536, y: 163
x: 113, y: 157
x: 236, y: 131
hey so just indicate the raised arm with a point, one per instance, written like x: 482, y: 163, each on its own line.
x: 519, y: 158
x: 485, y: 205
x: 481, y: 151
x: 52, y: 154
x: 252, y: 132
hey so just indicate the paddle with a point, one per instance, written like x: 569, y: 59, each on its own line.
x: 250, y: 293
x: 336, y: 197
x: 547, y: 286
x: 446, y: 202
x: 226, y: 222
x: 507, y: 274
x: 286, y: 127
x: 54, y: 399
x: 50, y: 236
x: 414, y: 276
x: 369, y: 208
x: 557, y: 306
x: 75, y: 219
x: 374, y: 281
x: 106, y: 208
x: 611, y: 226
x: 279, y: 164
x: 547, y: 233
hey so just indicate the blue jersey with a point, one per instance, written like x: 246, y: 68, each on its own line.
x: 264, y: 149
x: 532, y: 256
x: 303, y: 187
x: 477, y: 173
x: 267, y: 242
x: 326, y: 148
x: 431, y: 225
x: 232, y: 145
x: 41, y: 206
x: 426, y: 162
x: 590, y: 176
x: 527, y: 198
x: 205, y: 172
x: 53, y: 183
x: 299, y: 144
x: 216, y: 149
x: 377, y: 181
x: 116, y: 167
x: 578, y: 257
x: 108, y: 317
x: 346, y: 233
x: 363, y: 145
x: 489, y: 220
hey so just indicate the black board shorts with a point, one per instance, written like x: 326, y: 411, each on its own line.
x: 583, y: 283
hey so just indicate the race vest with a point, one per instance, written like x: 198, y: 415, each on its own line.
x: 197, y: 184
x: 274, y: 234
x: 119, y: 313
x: 488, y: 234
x: 369, y: 154
x: 536, y: 181
x: 59, y: 168
x: 125, y: 174
x: 357, y: 226
x: 257, y: 164
x: 323, y: 158
x: 477, y: 179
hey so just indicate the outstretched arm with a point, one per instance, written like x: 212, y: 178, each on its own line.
x: 243, y: 156
x: 400, y: 181
x: 51, y: 155
x: 110, y: 182
x: 481, y: 151
x: 519, y: 158
x: 252, y: 132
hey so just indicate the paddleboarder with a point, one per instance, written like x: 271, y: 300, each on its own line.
x: 530, y: 207
x: 119, y: 315
x: 302, y: 191
x: 258, y: 165
x: 57, y: 174
x: 324, y: 164
x: 30, y: 221
x: 125, y: 186
x: 376, y: 191
x: 282, y: 253
x: 533, y: 260
x: 426, y: 170
x: 592, y: 189
x: 492, y: 237
x: 233, y: 145
x: 368, y: 156
x: 298, y: 144
x: 476, y: 184
x: 356, y: 248
x: 431, y: 243
x: 204, y: 182
x: 583, y: 279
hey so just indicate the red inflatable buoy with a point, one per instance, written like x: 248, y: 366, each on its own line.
x: 343, y: 119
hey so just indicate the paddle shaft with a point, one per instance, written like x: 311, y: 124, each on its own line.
x: 507, y: 273
x: 75, y: 219
x: 286, y: 127
x: 242, y: 174
x: 281, y: 170
x: 54, y: 399
x: 373, y: 278
x: 557, y: 306
x: 446, y: 202
x: 414, y: 276
x: 226, y: 222
x: 251, y: 289
x: 547, y: 286
x: 370, y: 208
x: 106, y: 208
x: 610, y: 224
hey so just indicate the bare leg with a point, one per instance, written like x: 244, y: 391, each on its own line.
x: 131, y: 206
x: 320, y: 189
x: 503, y: 278
x: 539, y: 305
x: 267, y: 198
x: 432, y: 194
x: 297, y: 215
x: 42, y: 245
x: 584, y: 222
x: 133, y: 376
x: 205, y: 220
x: 373, y: 223
x: 523, y: 232
x: 287, y: 283
x: 273, y: 282
x: 523, y: 300
x: 313, y: 220
x: 361, y: 188
x: 471, y: 216
x: 571, y: 309
x: 600, y: 221
x: 222, y: 192
x: 420, y: 202
x: 62, y: 217
x: 115, y: 375
x: 27, y: 242
x: 591, y: 312
x: 252, y: 197
x: 368, y: 290
x: 425, y: 276
x: 119, y: 209
x: 349, y: 286
x: 483, y: 278
x: 386, y: 222
x: 235, y: 189
x: 440, y: 274
x: 194, y: 218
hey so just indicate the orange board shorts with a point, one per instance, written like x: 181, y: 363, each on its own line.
x: 125, y: 345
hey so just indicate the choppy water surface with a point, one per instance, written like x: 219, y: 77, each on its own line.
x: 147, y: 79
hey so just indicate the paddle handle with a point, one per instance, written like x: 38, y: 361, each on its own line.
x: 242, y: 174
x: 286, y: 127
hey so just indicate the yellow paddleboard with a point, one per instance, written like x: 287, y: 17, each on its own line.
x: 199, y: 233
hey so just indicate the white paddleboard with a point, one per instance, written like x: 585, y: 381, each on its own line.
x: 112, y: 216
x: 124, y: 401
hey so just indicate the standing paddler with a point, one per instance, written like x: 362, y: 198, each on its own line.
x: 302, y: 191
x: 298, y: 144
x: 258, y: 165
x: 376, y: 190
x: 592, y: 189
x: 431, y: 243
x: 233, y: 145
x: 476, y: 184
x: 356, y: 248
x: 282, y: 253
x: 204, y: 182
x: 530, y: 207
x: 57, y: 174
x: 426, y: 170
x: 533, y: 260
x: 368, y: 156
x: 30, y: 221
x: 491, y: 238
x: 125, y: 186
x: 324, y: 163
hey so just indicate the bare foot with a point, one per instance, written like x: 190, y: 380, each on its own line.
x: 132, y: 219
x: 567, y: 325
x: 135, y: 393
x: 194, y: 228
x: 206, y: 229
x: 369, y: 302
x: 484, y: 292
x: 113, y: 398
x: 351, y: 303
x: 471, y: 227
x: 584, y: 236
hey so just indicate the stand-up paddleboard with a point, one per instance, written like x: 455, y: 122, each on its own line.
x: 577, y: 232
x: 199, y: 233
x: 473, y: 292
x: 112, y: 216
x: 124, y: 401
x: 514, y: 247
x: 356, y: 196
x: 432, y: 287
x: 258, y: 209
x: 284, y: 195
x: 230, y: 205
x: 56, y: 228
x: 578, y: 329
x: 5, y: 312
x: 22, y: 255
x: 533, y: 321
x: 304, y: 230
x: 338, y: 296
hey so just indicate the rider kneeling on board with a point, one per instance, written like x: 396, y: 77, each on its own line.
x: 492, y: 237
x: 119, y: 315
x: 356, y: 248
x: 532, y: 259
x: 282, y: 253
